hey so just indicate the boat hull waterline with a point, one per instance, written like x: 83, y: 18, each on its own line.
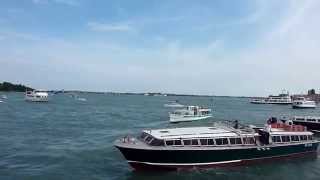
x: 207, y: 158
x: 186, y: 118
x: 303, y: 106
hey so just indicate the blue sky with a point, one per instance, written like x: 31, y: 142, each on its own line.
x: 215, y: 47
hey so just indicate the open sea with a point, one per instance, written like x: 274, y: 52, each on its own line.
x: 67, y: 139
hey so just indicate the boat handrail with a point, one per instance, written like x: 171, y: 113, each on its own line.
x: 230, y: 126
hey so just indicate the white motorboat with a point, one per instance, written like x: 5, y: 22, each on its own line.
x: 302, y: 102
x: 1, y: 101
x: 174, y: 104
x: 283, y: 98
x: 36, y: 96
x: 190, y: 113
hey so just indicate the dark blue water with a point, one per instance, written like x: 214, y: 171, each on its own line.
x: 70, y: 139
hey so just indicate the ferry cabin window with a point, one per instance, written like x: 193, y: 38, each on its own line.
x: 210, y: 142
x: 312, y: 120
x: 177, y: 143
x: 157, y: 142
x: 285, y: 138
x: 194, y: 142
x: 235, y: 140
x: 238, y: 141
x: 221, y: 141
x: 248, y: 140
x: 276, y: 139
x: 187, y: 142
x: 303, y: 138
x: 294, y: 138
x: 204, y: 142
x: 232, y: 140
x: 218, y: 141
x: 310, y: 137
x: 169, y: 143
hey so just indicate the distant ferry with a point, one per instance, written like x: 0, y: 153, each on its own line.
x: 219, y: 145
x: 36, y: 96
x: 190, y: 113
x: 311, y: 122
x: 302, y: 102
x: 283, y: 98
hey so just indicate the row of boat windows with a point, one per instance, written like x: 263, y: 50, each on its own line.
x: 197, y: 142
x: 279, y: 139
x: 310, y: 120
x: 279, y: 99
x: 210, y: 142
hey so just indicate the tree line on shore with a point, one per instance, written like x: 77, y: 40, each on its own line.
x: 6, y: 86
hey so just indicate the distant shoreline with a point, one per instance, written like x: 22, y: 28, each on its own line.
x: 10, y: 87
x: 141, y: 94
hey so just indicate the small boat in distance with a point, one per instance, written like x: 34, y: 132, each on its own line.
x: 215, y: 146
x: 283, y: 98
x: 190, y: 113
x: 173, y: 104
x: 4, y: 97
x: 81, y: 99
x: 37, y: 96
x: 302, y: 102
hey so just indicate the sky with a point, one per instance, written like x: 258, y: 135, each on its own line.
x: 213, y: 47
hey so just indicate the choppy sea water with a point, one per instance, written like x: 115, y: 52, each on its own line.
x: 70, y: 139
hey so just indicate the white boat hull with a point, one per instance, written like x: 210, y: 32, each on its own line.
x: 304, y: 106
x: 174, y: 106
x: 175, y: 118
x: 36, y: 99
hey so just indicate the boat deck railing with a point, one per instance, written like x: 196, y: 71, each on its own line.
x: 234, y: 126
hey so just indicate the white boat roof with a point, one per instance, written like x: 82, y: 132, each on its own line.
x: 193, y: 132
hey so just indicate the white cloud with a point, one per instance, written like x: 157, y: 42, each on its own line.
x: 66, y: 2
x: 102, y: 27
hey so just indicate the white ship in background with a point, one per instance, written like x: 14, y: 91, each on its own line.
x: 283, y: 98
